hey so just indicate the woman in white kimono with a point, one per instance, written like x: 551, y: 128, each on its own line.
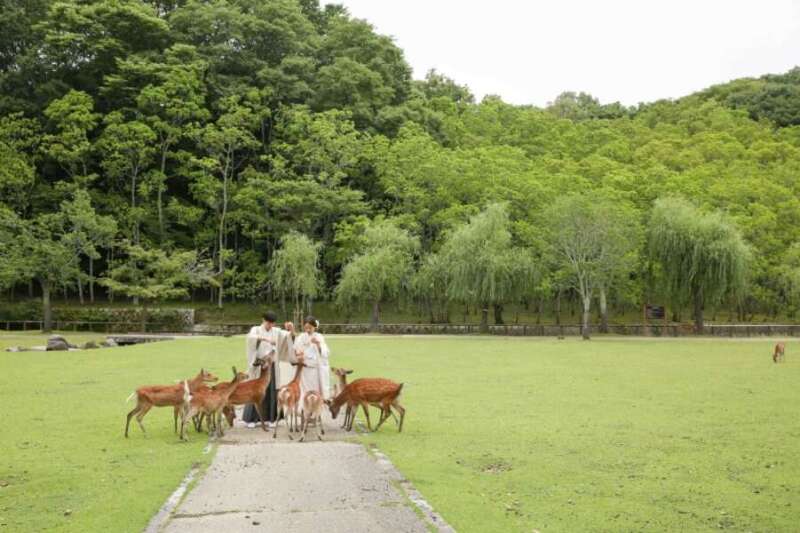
x: 317, y: 371
x: 268, y: 340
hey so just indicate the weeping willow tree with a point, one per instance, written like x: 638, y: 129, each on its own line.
x: 381, y: 270
x: 295, y: 272
x: 484, y: 269
x: 429, y: 287
x: 702, y: 257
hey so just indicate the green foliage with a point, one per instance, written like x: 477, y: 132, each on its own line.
x: 702, y: 257
x: 482, y: 266
x: 381, y: 269
x: 295, y: 269
x: 224, y: 125
x: 595, y: 240
x: 154, y: 274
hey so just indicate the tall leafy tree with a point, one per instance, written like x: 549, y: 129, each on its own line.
x: 591, y: 239
x: 295, y: 272
x: 702, y: 257
x: 485, y: 269
x: 381, y: 270
x: 151, y: 274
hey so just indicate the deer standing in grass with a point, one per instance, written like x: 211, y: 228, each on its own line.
x: 349, y: 412
x: 288, y: 400
x: 779, y: 354
x: 163, y: 396
x: 207, y: 402
x: 251, y: 391
x: 370, y: 391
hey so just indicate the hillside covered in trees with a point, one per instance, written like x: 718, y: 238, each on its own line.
x: 258, y: 150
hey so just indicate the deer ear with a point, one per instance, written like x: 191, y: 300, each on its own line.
x: 348, y: 371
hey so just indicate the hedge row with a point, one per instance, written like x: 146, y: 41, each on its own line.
x: 171, y: 319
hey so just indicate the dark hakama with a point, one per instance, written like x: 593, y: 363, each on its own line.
x: 269, y: 406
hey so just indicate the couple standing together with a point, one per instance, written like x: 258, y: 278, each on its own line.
x: 282, y: 348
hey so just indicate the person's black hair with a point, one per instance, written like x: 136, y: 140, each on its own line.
x: 311, y: 320
x: 270, y: 316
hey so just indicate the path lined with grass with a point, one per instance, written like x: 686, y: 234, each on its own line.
x: 257, y: 483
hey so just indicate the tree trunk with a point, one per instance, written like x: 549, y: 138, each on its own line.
x: 587, y: 304
x: 47, y: 310
x: 160, y: 191
x: 698, y: 312
x: 144, y: 316
x: 498, y: 314
x: 30, y: 289
x: 376, y: 310
x: 80, y: 290
x: 91, y: 280
x: 484, y: 328
x: 603, y: 311
x: 558, y: 307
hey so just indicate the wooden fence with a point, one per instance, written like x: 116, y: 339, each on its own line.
x: 516, y: 330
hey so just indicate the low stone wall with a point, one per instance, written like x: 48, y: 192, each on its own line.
x: 571, y: 330
x: 514, y: 330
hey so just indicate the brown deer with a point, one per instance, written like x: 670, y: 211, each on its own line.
x: 288, y: 399
x: 370, y: 391
x: 219, y: 387
x: 779, y: 354
x: 251, y: 391
x: 208, y: 402
x: 342, y: 373
x: 163, y: 396
x: 312, y: 413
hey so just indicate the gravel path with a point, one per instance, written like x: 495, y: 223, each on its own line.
x: 257, y: 483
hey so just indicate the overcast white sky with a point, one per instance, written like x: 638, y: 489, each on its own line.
x: 529, y: 51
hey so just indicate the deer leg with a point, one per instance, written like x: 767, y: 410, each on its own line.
x: 366, y: 414
x: 261, y: 416
x: 402, y: 411
x: 304, y: 427
x: 383, y: 418
x: 183, y: 435
x: 218, y: 423
x: 320, y: 429
x: 143, y: 411
x: 278, y: 422
x: 130, y: 414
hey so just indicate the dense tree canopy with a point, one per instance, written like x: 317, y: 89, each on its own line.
x: 218, y: 127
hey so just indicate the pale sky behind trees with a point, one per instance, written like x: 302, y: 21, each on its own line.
x: 633, y: 51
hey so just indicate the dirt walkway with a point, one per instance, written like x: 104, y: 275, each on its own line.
x: 256, y: 483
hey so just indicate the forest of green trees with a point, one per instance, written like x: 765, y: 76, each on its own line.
x: 265, y: 150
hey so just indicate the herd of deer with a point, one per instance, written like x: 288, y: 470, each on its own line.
x: 193, y: 399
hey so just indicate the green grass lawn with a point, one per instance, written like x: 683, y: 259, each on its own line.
x: 62, y: 444
x: 501, y: 434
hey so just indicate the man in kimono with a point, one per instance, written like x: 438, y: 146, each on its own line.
x: 268, y: 340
